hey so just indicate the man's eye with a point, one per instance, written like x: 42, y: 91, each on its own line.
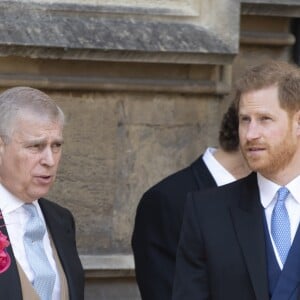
x: 265, y: 118
x: 56, y: 147
x: 244, y: 119
x: 37, y: 146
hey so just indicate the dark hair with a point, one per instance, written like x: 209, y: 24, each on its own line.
x: 284, y: 75
x: 228, y: 134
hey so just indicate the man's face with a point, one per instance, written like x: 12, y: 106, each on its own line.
x: 29, y: 161
x: 268, y: 135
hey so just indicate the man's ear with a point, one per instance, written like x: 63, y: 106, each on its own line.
x: 297, y: 118
x: 1, y: 149
x: 2, y: 144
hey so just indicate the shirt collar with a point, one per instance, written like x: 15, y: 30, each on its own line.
x: 220, y: 174
x: 9, y: 202
x: 268, y: 189
x: 294, y: 188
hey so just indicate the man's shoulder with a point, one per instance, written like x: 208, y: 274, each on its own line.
x: 170, y: 193
x: 48, y: 205
x: 181, y: 180
x: 227, y: 193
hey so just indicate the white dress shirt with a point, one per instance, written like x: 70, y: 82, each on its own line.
x: 219, y: 173
x: 268, y: 197
x: 15, y: 217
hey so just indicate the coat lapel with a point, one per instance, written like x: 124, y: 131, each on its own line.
x: 248, y: 222
x: 58, y: 236
x: 62, y: 229
x: 202, y: 175
x: 8, y: 290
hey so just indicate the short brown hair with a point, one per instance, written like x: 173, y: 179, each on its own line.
x: 284, y: 75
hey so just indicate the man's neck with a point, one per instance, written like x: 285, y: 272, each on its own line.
x: 233, y: 162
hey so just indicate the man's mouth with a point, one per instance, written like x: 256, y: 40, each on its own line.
x: 255, y: 148
x: 44, y: 179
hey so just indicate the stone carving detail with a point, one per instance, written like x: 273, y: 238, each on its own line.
x: 172, y: 31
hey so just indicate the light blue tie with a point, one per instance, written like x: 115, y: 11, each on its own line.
x: 44, y: 276
x: 280, y: 225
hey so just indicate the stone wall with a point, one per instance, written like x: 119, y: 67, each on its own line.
x: 143, y: 87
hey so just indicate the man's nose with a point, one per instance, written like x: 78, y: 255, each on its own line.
x: 47, y: 157
x: 252, y: 131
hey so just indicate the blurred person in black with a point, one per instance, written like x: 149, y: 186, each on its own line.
x: 160, y: 211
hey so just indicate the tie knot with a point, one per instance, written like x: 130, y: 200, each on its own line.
x: 283, y: 192
x: 35, y: 228
x: 31, y: 209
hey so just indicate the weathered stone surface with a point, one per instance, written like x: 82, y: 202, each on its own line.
x: 117, y: 145
x: 86, y: 181
x: 158, y: 136
x: 287, y: 8
x: 73, y: 31
x: 114, y: 76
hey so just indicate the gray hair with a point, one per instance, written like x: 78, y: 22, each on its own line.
x: 22, y: 100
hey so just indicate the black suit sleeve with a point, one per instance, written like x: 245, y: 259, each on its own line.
x: 154, y: 243
x: 191, y: 277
